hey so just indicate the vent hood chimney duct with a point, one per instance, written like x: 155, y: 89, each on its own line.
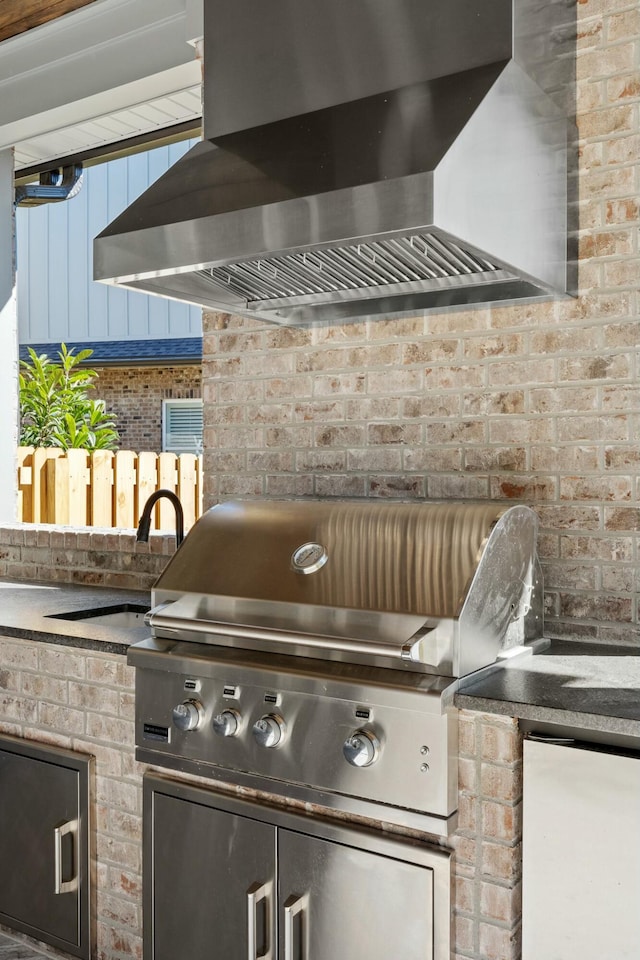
x: 363, y: 157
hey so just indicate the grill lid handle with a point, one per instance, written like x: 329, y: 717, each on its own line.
x: 150, y: 614
x: 225, y: 633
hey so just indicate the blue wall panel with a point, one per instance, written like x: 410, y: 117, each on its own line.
x: 57, y: 297
x: 75, y: 266
x: 97, y: 215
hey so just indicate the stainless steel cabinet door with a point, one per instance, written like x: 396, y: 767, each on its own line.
x: 211, y: 883
x: 581, y: 854
x: 43, y: 869
x: 340, y: 903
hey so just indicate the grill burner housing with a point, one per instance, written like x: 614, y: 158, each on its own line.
x: 310, y: 648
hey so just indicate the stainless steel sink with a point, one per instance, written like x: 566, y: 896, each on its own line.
x: 123, y: 616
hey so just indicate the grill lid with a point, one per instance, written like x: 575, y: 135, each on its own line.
x: 439, y: 587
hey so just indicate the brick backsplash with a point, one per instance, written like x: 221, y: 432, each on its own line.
x: 109, y: 558
x: 535, y: 403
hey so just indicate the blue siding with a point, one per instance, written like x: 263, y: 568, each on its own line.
x: 57, y: 297
x: 75, y: 256
x: 97, y: 216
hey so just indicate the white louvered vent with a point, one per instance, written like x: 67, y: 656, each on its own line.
x: 182, y: 426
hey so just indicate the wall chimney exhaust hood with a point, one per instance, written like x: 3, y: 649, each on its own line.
x: 363, y: 157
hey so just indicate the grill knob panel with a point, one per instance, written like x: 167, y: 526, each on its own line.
x: 361, y: 748
x: 226, y: 723
x: 269, y: 730
x: 188, y: 715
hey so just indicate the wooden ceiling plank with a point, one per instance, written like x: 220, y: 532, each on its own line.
x: 17, y: 16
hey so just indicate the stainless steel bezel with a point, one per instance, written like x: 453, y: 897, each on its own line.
x: 309, y: 557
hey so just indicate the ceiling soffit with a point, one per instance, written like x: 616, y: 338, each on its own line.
x: 110, y: 71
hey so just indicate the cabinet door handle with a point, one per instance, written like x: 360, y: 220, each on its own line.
x: 61, y: 885
x: 292, y: 908
x: 256, y: 894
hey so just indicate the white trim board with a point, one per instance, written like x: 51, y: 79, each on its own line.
x: 8, y: 347
x: 107, y: 56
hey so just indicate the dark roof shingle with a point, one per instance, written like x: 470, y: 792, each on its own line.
x: 182, y: 350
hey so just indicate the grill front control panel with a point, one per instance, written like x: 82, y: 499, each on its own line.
x: 264, y: 724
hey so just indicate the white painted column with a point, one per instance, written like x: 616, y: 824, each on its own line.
x: 8, y: 345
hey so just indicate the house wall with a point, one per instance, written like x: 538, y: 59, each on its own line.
x: 135, y: 395
x: 531, y: 403
x: 58, y: 300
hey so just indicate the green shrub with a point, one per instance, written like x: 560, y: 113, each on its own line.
x: 55, y: 409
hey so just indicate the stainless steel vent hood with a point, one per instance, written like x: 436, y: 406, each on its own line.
x: 361, y: 158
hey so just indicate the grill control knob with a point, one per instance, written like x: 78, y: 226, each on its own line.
x: 188, y: 715
x: 269, y: 730
x: 361, y: 749
x: 227, y: 723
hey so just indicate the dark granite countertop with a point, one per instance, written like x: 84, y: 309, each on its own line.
x: 591, y: 687
x: 28, y: 610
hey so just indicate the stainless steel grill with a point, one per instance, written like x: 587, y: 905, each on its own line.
x: 393, y: 266
x: 310, y: 648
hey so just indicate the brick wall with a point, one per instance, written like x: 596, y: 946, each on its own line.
x: 109, y: 558
x: 488, y: 862
x: 536, y: 403
x: 84, y: 700
x: 135, y: 395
